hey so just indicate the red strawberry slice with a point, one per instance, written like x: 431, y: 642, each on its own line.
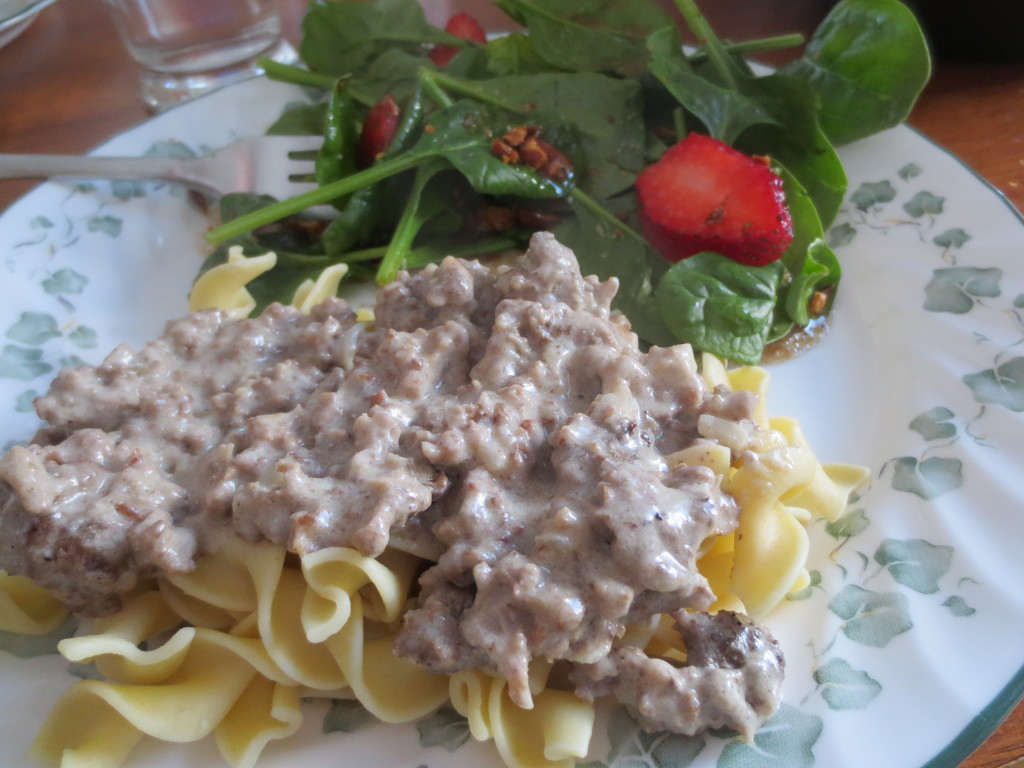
x: 703, y: 195
x: 461, y: 25
x: 378, y: 131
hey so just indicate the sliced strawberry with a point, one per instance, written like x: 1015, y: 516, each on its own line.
x: 703, y: 195
x: 461, y: 25
x: 378, y: 131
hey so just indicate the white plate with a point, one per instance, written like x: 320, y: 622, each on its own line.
x: 907, y: 653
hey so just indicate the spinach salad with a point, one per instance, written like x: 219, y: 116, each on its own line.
x: 603, y: 88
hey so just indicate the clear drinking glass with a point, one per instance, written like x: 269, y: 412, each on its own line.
x: 190, y: 47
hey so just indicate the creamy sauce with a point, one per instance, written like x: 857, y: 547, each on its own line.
x: 500, y: 422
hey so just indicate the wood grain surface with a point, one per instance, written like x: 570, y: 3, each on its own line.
x: 67, y: 84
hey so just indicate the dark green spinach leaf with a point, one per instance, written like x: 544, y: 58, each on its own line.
x: 300, y: 120
x: 341, y: 39
x: 589, y: 35
x: 606, y: 115
x: 720, y: 306
x: 810, y: 263
x: 725, y: 111
x: 515, y: 54
x: 796, y: 140
x: 866, y: 63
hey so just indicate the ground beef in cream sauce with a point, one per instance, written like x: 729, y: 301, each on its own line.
x: 500, y: 422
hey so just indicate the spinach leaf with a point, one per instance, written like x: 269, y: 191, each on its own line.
x: 589, y: 35
x: 726, y: 112
x: 419, y: 209
x: 810, y: 263
x: 463, y: 133
x: 608, y: 83
x: 336, y: 157
x: 471, y: 62
x: 796, y: 140
x: 395, y: 72
x: 867, y: 63
x: 720, y: 306
x: 300, y: 120
x: 514, y: 54
x: 363, y: 216
x: 820, y: 270
x: 606, y: 114
x: 340, y: 39
x: 236, y: 204
x: 490, y: 175
x: 372, y: 210
x: 792, y: 135
x: 603, y: 253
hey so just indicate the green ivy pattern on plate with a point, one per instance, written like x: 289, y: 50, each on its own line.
x: 41, y: 341
x: 886, y: 205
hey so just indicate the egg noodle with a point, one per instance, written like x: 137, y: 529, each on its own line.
x: 231, y: 648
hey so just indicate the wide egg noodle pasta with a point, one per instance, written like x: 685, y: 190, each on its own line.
x: 222, y: 582
x: 780, y: 487
x: 207, y: 683
x: 717, y: 567
x: 280, y: 595
x: 83, y: 731
x: 26, y: 608
x: 265, y: 711
x: 335, y: 574
x: 771, y: 543
x: 242, y: 684
x: 312, y: 292
x: 223, y: 286
x: 553, y: 734
x: 829, y: 490
x: 392, y: 688
x: 469, y: 691
x: 344, y: 587
x: 195, y: 611
x: 114, y: 643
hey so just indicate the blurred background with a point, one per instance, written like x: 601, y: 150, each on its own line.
x: 67, y: 83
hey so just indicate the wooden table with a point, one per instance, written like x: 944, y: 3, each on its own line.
x: 67, y: 84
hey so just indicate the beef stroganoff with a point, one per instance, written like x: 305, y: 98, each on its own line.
x: 488, y: 495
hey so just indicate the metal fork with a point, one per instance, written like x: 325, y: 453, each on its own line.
x: 273, y: 165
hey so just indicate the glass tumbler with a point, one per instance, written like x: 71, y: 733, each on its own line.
x: 189, y: 47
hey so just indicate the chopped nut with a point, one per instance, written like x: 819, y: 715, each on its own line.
x: 523, y: 145
x: 504, y: 151
x: 534, y: 155
x: 496, y: 218
x: 817, y: 303
x: 517, y: 135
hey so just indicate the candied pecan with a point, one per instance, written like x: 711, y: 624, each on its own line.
x: 523, y: 145
x: 496, y: 218
x: 517, y: 135
x: 817, y: 303
x: 504, y: 151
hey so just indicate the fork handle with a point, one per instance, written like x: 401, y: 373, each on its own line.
x: 23, y: 166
